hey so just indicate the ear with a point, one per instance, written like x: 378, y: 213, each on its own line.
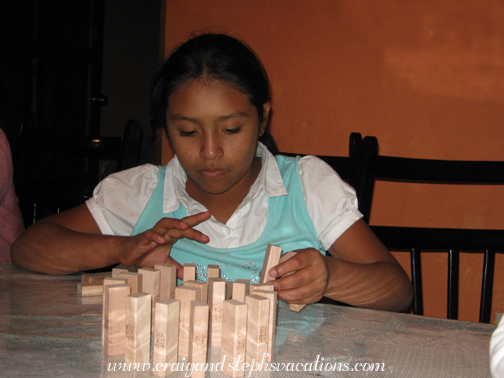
x: 266, y: 112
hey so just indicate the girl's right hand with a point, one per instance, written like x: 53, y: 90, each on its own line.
x: 153, y: 246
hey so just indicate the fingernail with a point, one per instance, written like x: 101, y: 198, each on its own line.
x: 273, y: 272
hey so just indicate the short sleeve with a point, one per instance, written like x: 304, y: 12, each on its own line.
x: 331, y: 202
x: 119, y: 200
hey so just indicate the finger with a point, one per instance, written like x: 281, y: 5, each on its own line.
x: 153, y: 236
x: 190, y: 233
x: 195, y: 219
x: 292, y: 264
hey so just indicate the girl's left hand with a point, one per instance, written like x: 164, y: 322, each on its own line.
x: 308, y: 279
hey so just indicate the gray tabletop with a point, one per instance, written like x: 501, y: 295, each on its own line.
x: 47, y: 330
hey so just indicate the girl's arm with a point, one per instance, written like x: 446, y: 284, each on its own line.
x: 71, y: 241
x: 361, y: 272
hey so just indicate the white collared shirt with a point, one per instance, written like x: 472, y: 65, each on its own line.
x: 120, y: 199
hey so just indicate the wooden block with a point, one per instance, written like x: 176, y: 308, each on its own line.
x: 234, y: 337
x: 213, y: 271
x: 166, y: 333
x: 198, y: 338
x: 265, y: 286
x: 134, y: 281
x: 115, y: 319
x: 138, y: 328
x: 168, y: 281
x: 285, y: 257
x: 151, y: 279
x: 229, y: 290
x: 216, y: 298
x: 272, y: 296
x: 203, y: 286
x: 185, y: 295
x: 95, y: 277
x: 116, y: 271
x: 107, y: 282
x: 189, y: 272
x: 257, y: 329
x: 271, y: 259
x: 241, y: 288
x: 88, y: 289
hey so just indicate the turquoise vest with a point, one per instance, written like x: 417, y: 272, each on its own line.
x: 288, y: 226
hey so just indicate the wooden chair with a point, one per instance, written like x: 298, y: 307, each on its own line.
x: 452, y: 241
x: 355, y: 168
x: 73, y: 166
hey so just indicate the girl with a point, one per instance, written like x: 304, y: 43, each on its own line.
x: 224, y: 196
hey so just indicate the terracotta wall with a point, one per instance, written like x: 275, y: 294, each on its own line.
x: 425, y: 77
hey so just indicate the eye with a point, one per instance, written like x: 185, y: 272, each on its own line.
x: 187, y: 133
x: 233, y: 131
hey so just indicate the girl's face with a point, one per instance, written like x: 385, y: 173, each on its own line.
x: 214, y: 130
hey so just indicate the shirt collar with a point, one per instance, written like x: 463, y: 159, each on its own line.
x: 175, y: 192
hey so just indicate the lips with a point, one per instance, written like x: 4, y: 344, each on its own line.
x: 213, y: 172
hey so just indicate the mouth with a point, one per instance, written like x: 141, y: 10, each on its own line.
x: 213, y: 172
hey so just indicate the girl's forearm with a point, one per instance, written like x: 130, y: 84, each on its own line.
x: 380, y: 285
x: 54, y: 249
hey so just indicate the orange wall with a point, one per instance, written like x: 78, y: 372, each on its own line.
x: 425, y: 77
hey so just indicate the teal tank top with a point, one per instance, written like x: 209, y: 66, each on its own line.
x: 288, y: 226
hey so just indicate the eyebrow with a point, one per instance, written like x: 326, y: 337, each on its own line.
x: 179, y: 117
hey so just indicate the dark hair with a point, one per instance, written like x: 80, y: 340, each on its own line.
x: 213, y: 56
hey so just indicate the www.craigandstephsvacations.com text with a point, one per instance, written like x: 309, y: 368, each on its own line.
x: 318, y: 365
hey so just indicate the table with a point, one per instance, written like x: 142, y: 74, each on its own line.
x: 47, y: 330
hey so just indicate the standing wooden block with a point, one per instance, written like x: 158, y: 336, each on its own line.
x: 134, y: 281
x: 229, y: 290
x: 168, y: 281
x: 166, y: 333
x: 271, y: 259
x: 216, y: 298
x: 257, y: 329
x: 189, y: 272
x: 265, y: 286
x: 241, y: 288
x: 88, y: 289
x: 213, y: 271
x: 151, y: 279
x: 95, y: 277
x: 107, y: 282
x: 203, y: 286
x: 234, y: 337
x: 117, y: 271
x: 285, y: 257
x: 138, y: 328
x: 185, y: 295
x: 272, y: 297
x: 115, y: 319
x: 198, y: 337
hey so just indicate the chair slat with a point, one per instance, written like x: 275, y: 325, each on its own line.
x: 453, y: 284
x: 487, y: 286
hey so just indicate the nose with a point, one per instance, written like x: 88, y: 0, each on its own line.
x: 211, y: 148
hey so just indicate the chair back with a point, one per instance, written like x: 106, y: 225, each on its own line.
x: 452, y: 241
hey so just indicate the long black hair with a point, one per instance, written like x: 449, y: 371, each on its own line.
x: 213, y: 56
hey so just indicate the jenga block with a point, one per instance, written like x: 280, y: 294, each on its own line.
x: 95, y: 277
x: 229, y: 290
x: 151, y: 279
x: 234, y: 337
x: 265, y: 286
x: 213, y: 271
x: 107, y: 282
x: 257, y: 328
x: 134, y: 281
x: 189, y: 272
x: 168, y: 281
x: 117, y: 271
x: 285, y: 257
x: 272, y: 296
x: 138, y: 328
x: 166, y: 333
x: 241, y: 288
x: 271, y: 259
x: 203, y: 286
x: 115, y: 319
x: 185, y: 295
x: 88, y: 289
x: 198, y: 338
x: 216, y: 298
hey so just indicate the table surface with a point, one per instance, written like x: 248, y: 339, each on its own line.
x: 47, y: 330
